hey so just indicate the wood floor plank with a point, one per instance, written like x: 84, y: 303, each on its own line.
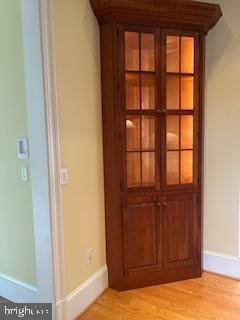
x: 211, y: 297
x: 2, y: 300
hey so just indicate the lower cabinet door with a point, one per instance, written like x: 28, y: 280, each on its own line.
x: 181, y: 231
x: 141, y: 233
x: 161, y: 239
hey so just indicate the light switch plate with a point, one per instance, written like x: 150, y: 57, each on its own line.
x: 64, y: 176
x: 24, y: 174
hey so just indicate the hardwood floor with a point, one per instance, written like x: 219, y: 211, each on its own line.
x: 2, y: 300
x: 211, y: 297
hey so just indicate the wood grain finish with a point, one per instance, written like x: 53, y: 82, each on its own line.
x: 153, y: 225
x: 148, y: 242
x: 2, y: 300
x: 185, y: 14
x: 111, y: 153
x: 140, y: 233
x: 209, y: 297
x: 181, y: 227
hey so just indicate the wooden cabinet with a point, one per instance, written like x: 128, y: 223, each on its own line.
x: 181, y: 230
x: 152, y: 55
x: 141, y: 235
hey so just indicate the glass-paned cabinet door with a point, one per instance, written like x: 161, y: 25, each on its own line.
x: 181, y: 109
x: 139, y: 69
x: 140, y: 151
x: 139, y: 108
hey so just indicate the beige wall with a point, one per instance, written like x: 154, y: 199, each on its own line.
x: 222, y: 133
x: 17, y: 256
x: 79, y: 101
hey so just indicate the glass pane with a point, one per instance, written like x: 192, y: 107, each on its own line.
x: 133, y: 169
x: 186, y: 132
x: 148, y: 169
x: 187, y: 94
x: 186, y: 167
x: 147, y: 52
x: 187, y: 64
x: 172, y: 167
x: 133, y: 133
x: 173, y: 92
x: 148, y: 133
x: 172, y: 132
x: 132, y: 51
x: 173, y: 54
x: 148, y: 91
x: 132, y: 91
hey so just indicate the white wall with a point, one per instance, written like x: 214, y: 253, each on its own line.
x: 222, y: 133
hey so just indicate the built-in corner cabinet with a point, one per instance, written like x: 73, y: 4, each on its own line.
x: 152, y: 55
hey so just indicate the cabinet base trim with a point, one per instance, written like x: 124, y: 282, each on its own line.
x: 164, y: 276
x: 222, y: 264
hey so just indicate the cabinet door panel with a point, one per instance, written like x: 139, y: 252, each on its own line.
x: 186, y: 167
x: 181, y: 231
x: 180, y: 149
x: 141, y: 232
x: 147, y: 52
x: 187, y: 55
x: 139, y: 98
x: 132, y: 60
x: 173, y: 53
x: 140, y: 151
x: 148, y: 169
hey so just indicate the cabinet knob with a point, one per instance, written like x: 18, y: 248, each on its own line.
x: 164, y: 204
x: 162, y: 112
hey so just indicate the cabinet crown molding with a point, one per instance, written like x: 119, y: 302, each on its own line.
x: 186, y: 14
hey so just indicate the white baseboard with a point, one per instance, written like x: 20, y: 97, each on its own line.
x: 221, y: 264
x: 17, y: 291
x: 80, y: 299
x: 60, y: 310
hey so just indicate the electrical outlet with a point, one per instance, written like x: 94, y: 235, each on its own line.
x: 89, y: 255
x: 24, y: 174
